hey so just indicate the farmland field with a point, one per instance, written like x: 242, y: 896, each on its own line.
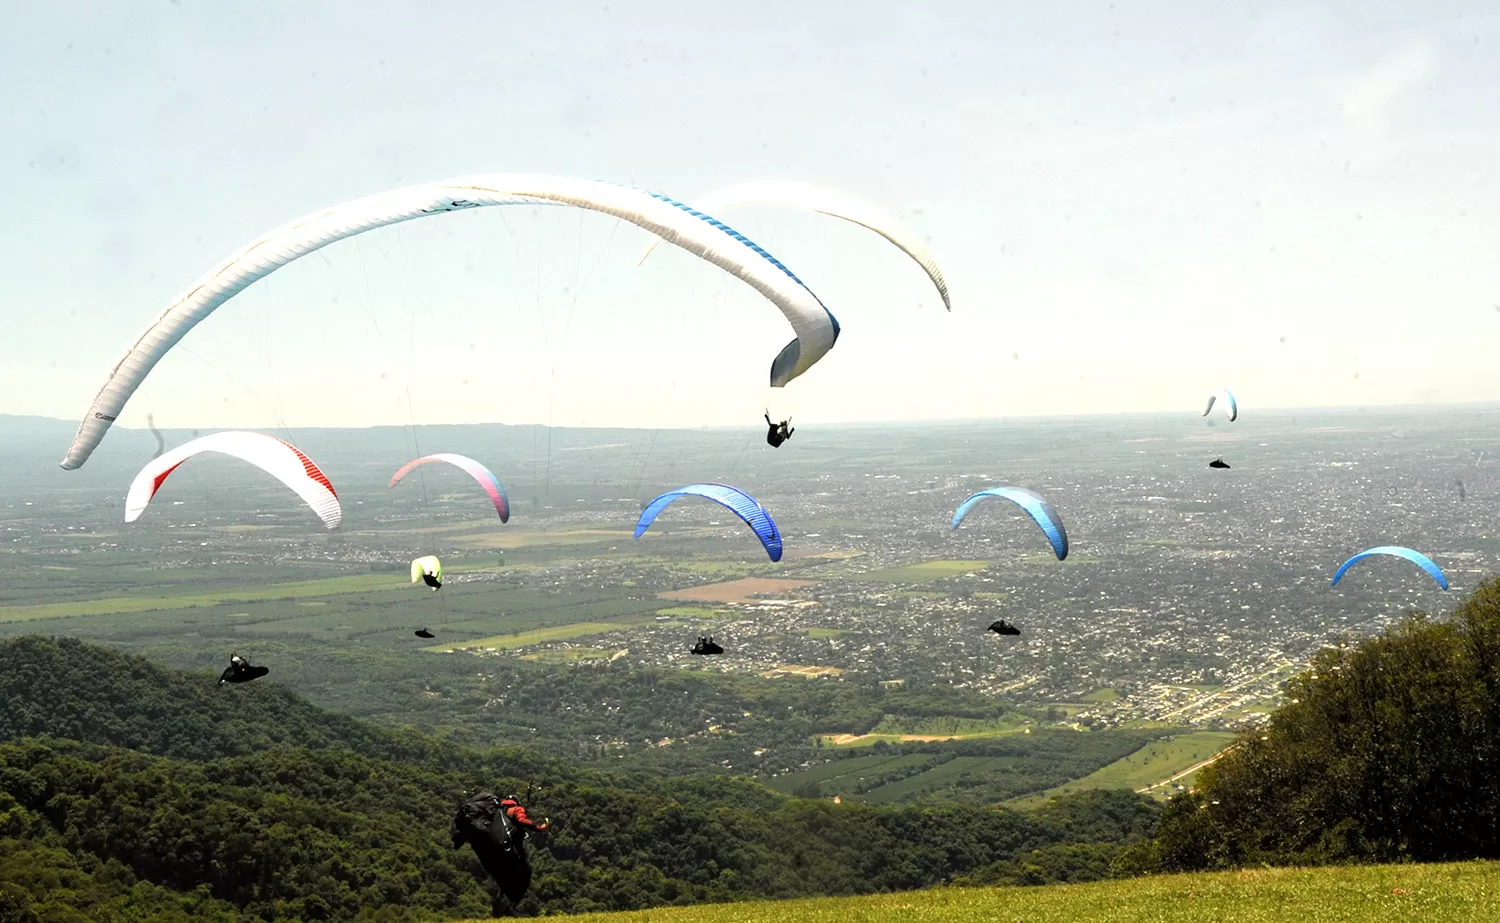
x: 528, y: 638
x: 737, y: 591
x: 1149, y: 765
x: 924, y: 572
x: 361, y: 583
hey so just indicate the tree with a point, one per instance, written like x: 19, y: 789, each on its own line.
x: 810, y: 789
x: 1384, y: 752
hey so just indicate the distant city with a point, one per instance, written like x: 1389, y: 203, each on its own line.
x: 1189, y: 596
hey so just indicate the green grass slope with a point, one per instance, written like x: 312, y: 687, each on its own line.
x: 1467, y: 892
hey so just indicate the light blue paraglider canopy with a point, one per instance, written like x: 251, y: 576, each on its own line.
x: 1033, y: 504
x: 1416, y: 557
x: 740, y: 503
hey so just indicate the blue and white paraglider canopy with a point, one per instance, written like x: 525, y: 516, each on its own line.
x: 1416, y: 557
x: 1030, y: 501
x: 737, y: 501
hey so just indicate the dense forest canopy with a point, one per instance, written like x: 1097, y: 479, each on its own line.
x: 173, y: 802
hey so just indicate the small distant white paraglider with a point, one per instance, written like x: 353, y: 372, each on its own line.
x: 1231, y: 406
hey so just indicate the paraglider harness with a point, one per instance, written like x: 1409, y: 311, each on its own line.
x: 497, y: 828
x: 707, y: 646
x: 240, y: 671
x: 779, y: 432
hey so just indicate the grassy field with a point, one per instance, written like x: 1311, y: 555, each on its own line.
x: 332, y: 586
x: 845, y: 773
x: 953, y: 770
x: 737, y: 591
x: 821, y: 633
x: 511, y: 539
x: 1149, y: 765
x: 688, y: 612
x: 1452, y: 893
x: 539, y: 636
x: 894, y: 730
x: 140, y: 601
x: 922, y: 573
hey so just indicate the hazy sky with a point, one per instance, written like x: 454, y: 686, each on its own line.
x: 1133, y: 205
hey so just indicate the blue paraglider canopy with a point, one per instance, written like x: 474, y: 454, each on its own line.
x: 1416, y: 557
x: 1030, y: 501
x: 737, y: 501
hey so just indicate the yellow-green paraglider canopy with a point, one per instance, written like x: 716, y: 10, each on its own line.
x: 428, y: 564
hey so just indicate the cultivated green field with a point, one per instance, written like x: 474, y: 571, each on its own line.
x: 540, y: 635
x: 226, y: 604
x: 515, y: 538
x: 1467, y: 892
x: 987, y: 768
x: 688, y: 612
x: 922, y: 573
x: 895, y: 730
x: 954, y: 770
x: 332, y: 586
x: 1149, y: 765
x: 845, y: 773
x: 821, y: 633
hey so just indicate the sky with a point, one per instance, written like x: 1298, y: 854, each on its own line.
x: 1134, y: 204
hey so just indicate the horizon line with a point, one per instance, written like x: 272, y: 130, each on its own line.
x: 1406, y: 407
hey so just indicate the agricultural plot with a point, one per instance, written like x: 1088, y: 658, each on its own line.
x: 965, y: 771
x: 983, y: 771
x: 111, y: 605
x: 232, y: 603
x: 1152, y: 764
x: 907, y: 730
x: 738, y: 591
x: 688, y: 612
x: 809, y: 672
x: 821, y: 633
x: 922, y: 573
x: 537, y: 636
x: 514, y: 539
x: 59, y: 580
x: 848, y: 773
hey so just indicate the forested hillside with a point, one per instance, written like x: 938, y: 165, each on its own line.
x: 186, y: 801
